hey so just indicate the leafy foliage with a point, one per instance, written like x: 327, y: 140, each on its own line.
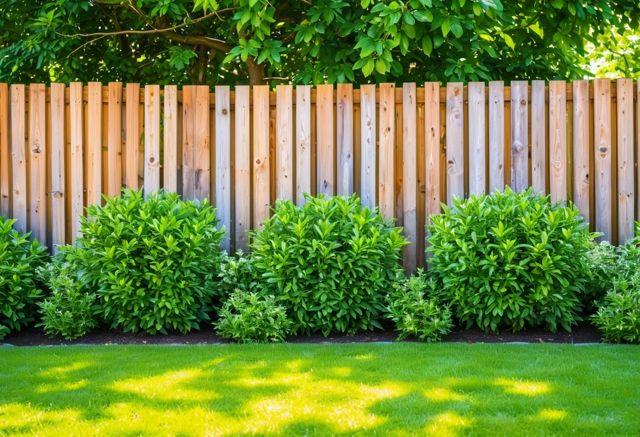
x: 153, y: 263
x: 604, y: 263
x: 68, y: 311
x: 19, y: 287
x: 415, y: 313
x: 329, y: 262
x: 619, y: 316
x: 510, y: 260
x: 236, y: 274
x: 230, y: 41
x: 248, y: 317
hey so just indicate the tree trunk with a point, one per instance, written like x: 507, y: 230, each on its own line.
x: 256, y: 73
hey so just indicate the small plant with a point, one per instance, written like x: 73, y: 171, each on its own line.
x: 619, y: 316
x: 416, y: 314
x: 68, y: 311
x: 248, y: 317
x: 19, y: 288
x: 330, y: 263
x: 236, y: 273
x: 152, y: 263
x: 511, y: 260
x: 604, y: 261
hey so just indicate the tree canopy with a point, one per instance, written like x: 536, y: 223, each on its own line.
x: 307, y: 41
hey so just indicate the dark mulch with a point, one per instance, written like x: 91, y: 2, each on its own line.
x: 33, y: 337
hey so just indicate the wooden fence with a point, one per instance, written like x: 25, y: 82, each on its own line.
x: 404, y: 149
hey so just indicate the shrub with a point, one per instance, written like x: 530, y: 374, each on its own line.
x: 153, y: 263
x: 511, y: 260
x: 19, y: 288
x: 415, y: 313
x: 69, y: 311
x: 248, y: 317
x: 236, y: 273
x: 330, y: 263
x: 604, y: 261
x: 619, y: 316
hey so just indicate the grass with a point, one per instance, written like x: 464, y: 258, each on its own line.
x: 396, y: 389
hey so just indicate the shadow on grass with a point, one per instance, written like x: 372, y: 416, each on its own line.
x: 444, y: 390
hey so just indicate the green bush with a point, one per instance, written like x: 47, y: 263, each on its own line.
x: 236, y: 273
x: 619, y: 316
x: 511, y: 260
x: 19, y: 287
x: 248, y: 317
x: 68, y: 311
x: 330, y: 263
x: 153, y: 263
x: 604, y: 262
x: 415, y: 313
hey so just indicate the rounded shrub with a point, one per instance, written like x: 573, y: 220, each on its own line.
x: 153, y: 262
x: 19, y: 287
x: 236, y: 274
x: 248, y: 317
x: 619, y: 315
x: 415, y: 313
x: 329, y: 262
x: 511, y: 260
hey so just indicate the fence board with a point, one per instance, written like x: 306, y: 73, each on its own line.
x: 625, y: 156
x: 409, y: 174
x: 114, y: 142
x: 223, y: 161
x: 344, y: 135
x: 152, y: 139
x: 558, y: 140
x: 432, y: 148
x: 325, y: 145
x: 242, y: 176
x: 5, y: 183
x: 303, y: 142
x: 386, y: 171
x: 519, y: 136
x: 538, y: 137
x: 170, y: 139
x: 18, y: 157
x: 477, y: 144
x: 496, y: 135
x: 455, y: 142
x: 368, y: 146
x: 581, y: 147
x: 603, y: 160
x: 261, y: 179
x: 58, y: 192
x: 94, y: 144
x: 132, y: 133
x: 76, y: 156
x: 37, y: 163
x: 284, y: 142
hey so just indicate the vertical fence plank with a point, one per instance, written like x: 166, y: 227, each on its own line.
x: 368, y: 146
x: 114, y: 142
x: 202, y: 145
x: 538, y: 138
x: 344, y: 135
x: 261, y: 179
x: 189, y: 139
x: 170, y: 138
x: 18, y: 157
x: 558, y: 140
x: 151, y: 139
x: 581, y: 147
x: 37, y: 163
x: 76, y: 156
x: 626, y: 197
x: 132, y: 133
x: 603, y: 160
x: 223, y: 162
x: 477, y: 144
x: 409, y: 174
x: 325, y: 150
x: 5, y: 183
x: 284, y: 142
x: 386, y: 171
x: 519, y: 135
x: 432, y: 149
x: 303, y: 142
x: 496, y: 135
x: 242, y: 163
x: 58, y: 192
x: 94, y: 144
x: 455, y: 142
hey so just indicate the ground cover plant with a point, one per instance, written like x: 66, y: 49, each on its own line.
x: 373, y: 389
x: 330, y: 263
x: 511, y: 260
x: 20, y: 290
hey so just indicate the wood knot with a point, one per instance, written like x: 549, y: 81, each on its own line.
x: 152, y: 160
x: 603, y: 149
x: 224, y: 111
x: 57, y: 194
x: 523, y: 102
x: 36, y: 148
x: 258, y: 162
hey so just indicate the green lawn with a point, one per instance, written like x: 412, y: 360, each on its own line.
x: 396, y: 389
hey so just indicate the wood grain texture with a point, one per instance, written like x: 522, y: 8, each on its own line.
x: 344, y: 139
x: 261, y: 179
x: 132, y: 134
x: 603, y: 159
x: 409, y: 175
x: 625, y: 155
x: 455, y: 142
x: 5, y: 155
x: 432, y: 149
x: 581, y: 148
x: 76, y: 157
x: 519, y: 136
x: 386, y: 166
x: 202, y: 145
x: 37, y: 163
x: 18, y: 156
x: 538, y: 137
x: 368, y: 146
x: 151, y: 139
x: 170, y: 139
x: 223, y: 162
x: 114, y: 141
x: 558, y: 180
x: 94, y: 144
x: 325, y: 146
x: 58, y: 172
x: 303, y: 142
x: 284, y: 142
x: 496, y: 135
x: 242, y: 166
x: 477, y: 142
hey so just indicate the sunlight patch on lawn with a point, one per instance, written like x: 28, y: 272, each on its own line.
x: 443, y: 395
x: 447, y: 424
x: 525, y: 388
x: 60, y: 385
x: 169, y: 386
x: 63, y: 371
x: 551, y: 414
